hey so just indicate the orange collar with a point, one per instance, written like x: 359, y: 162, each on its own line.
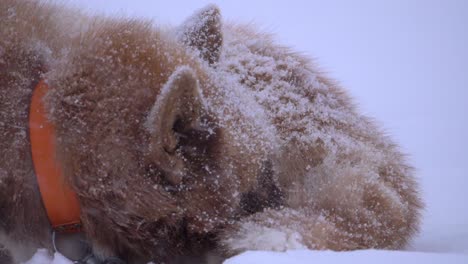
x: 59, y: 199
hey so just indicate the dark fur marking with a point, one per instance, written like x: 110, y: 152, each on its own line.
x: 266, y: 195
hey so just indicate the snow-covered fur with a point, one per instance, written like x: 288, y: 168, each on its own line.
x: 202, y: 138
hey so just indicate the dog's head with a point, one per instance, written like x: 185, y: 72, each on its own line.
x: 144, y: 134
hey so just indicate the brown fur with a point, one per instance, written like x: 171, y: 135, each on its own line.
x: 159, y: 169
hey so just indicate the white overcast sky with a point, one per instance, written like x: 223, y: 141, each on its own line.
x: 404, y: 61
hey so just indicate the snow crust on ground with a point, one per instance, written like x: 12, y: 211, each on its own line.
x: 359, y: 256
x: 309, y: 256
x: 42, y: 256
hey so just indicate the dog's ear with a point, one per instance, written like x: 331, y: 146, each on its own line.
x: 202, y: 31
x: 178, y: 108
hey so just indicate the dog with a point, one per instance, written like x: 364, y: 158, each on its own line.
x: 204, y: 140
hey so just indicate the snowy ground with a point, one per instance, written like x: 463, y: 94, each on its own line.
x: 362, y: 257
x: 406, y: 63
x: 307, y: 257
x: 43, y: 257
